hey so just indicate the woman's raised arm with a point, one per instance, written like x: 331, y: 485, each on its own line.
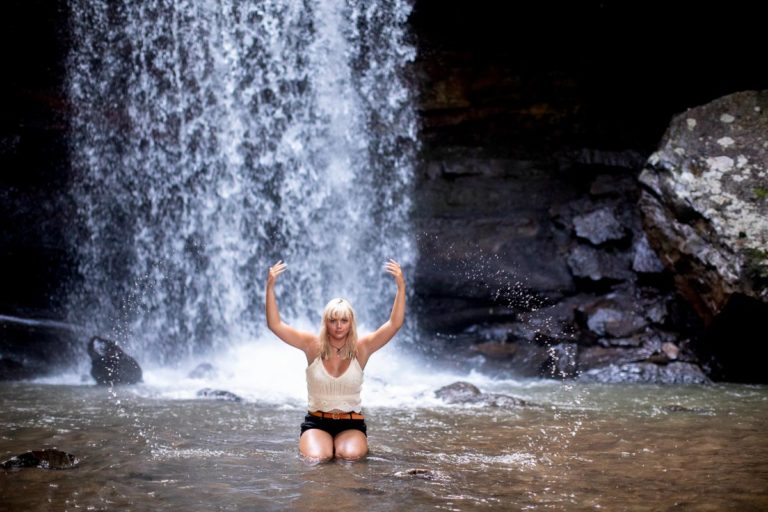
x: 370, y: 343
x: 300, y: 339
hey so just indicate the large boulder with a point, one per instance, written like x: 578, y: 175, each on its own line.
x: 705, y: 201
x: 110, y: 365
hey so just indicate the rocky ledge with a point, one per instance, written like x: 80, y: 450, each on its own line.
x: 573, y: 266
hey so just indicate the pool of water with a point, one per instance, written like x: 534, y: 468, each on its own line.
x: 581, y: 447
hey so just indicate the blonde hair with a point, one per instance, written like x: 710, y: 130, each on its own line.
x: 334, y: 309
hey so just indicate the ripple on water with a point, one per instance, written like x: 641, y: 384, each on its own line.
x: 508, y: 460
x: 616, y: 453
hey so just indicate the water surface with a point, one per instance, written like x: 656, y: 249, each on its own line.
x: 586, y: 447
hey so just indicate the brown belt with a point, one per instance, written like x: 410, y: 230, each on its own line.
x: 338, y: 415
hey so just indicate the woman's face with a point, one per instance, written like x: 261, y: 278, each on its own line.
x: 338, y: 327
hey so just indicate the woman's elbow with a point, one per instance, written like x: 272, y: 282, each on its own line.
x: 273, y: 325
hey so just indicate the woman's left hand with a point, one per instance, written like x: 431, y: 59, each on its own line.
x: 393, y: 268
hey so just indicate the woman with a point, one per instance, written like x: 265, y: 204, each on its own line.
x: 336, y: 358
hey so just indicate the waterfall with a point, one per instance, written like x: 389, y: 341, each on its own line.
x: 210, y: 139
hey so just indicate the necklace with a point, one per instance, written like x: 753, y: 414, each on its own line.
x: 338, y: 350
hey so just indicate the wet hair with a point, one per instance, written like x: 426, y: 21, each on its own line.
x: 339, y: 308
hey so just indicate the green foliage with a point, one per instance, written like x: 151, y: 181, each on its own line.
x: 761, y: 192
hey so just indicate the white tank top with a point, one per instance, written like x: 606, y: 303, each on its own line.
x: 329, y: 393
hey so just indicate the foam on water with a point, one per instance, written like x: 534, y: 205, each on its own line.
x: 269, y: 373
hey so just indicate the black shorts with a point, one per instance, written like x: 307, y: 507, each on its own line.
x: 333, y: 427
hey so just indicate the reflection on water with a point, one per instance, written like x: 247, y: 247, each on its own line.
x: 584, y: 448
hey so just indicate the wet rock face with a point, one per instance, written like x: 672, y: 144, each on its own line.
x: 544, y: 264
x: 705, y: 203
x: 30, y: 348
x: 110, y: 365
x: 647, y: 373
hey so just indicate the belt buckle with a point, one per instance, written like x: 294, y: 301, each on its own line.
x: 335, y: 415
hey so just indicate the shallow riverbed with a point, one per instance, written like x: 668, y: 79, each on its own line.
x: 586, y: 447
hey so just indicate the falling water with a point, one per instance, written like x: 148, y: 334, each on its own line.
x: 210, y: 139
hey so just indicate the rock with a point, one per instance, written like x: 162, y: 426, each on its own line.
x: 553, y: 324
x: 616, y: 314
x: 596, y: 357
x: 561, y: 362
x: 599, y: 226
x: 670, y: 350
x: 203, y: 371
x: 424, y: 473
x: 474, y: 258
x: 506, y: 401
x: 614, y: 322
x: 647, y: 373
x: 705, y: 205
x: 484, y: 238
x: 467, y: 393
x: 628, y: 159
x: 110, y: 365
x: 458, y: 392
x: 633, y: 341
x: 218, y: 394
x: 526, y: 362
x: 496, y: 350
x: 645, y: 260
x: 657, y: 312
x: 588, y: 262
x: 44, y: 459
x: 675, y: 408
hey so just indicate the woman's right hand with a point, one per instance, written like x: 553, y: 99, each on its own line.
x: 275, y: 270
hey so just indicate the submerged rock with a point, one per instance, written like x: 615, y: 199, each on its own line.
x: 110, y: 365
x: 424, y: 473
x: 218, y: 394
x: 44, y: 459
x: 677, y: 408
